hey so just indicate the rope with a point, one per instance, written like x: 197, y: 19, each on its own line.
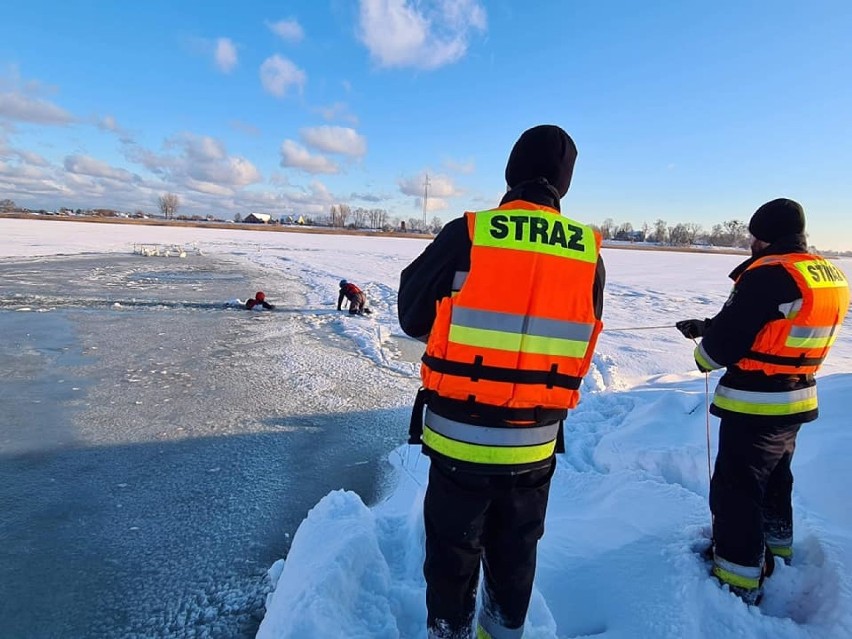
x: 707, y: 430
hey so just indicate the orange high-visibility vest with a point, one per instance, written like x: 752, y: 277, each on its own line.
x: 799, y: 343
x: 521, y: 331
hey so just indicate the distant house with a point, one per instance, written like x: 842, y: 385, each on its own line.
x: 257, y: 218
x: 630, y: 236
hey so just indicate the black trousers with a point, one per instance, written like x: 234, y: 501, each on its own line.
x: 493, y: 519
x: 356, y: 303
x: 751, y: 490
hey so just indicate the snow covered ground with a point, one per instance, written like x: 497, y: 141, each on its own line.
x: 629, y: 499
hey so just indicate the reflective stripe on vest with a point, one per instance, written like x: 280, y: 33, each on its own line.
x: 519, y: 333
x: 811, y: 336
x: 519, y: 328
x: 766, y: 403
x: 459, y: 278
x: 488, y: 445
x: 799, y: 343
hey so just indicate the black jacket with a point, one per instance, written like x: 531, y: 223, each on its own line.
x: 754, y: 302
x: 430, y: 277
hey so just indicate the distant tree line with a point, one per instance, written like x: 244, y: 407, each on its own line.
x: 344, y: 216
x: 731, y: 233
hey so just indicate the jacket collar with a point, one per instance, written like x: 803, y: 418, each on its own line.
x: 538, y: 191
x: 790, y: 244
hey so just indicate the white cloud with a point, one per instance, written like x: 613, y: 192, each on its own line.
x: 336, y: 111
x: 200, y: 160
x: 432, y: 204
x: 232, y: 171
x: 294, y: 155
x: 278, y: 74
x: 23, y: 156
x: 424, y: 35
x: 289, y: 30
x: 207, y: 187
x: 110, y: 124
x: 335, y: 139
x: 200, y: 148
x: 85, y: 165
x: 24, y: 108
x: 225, y: 55
x: 440, y: 186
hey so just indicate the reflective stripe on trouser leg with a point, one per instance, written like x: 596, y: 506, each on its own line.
x: 490, y: 629
x: 780, y: 547
x: 747, y: 577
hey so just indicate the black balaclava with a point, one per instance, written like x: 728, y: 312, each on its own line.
x: 544, y: 151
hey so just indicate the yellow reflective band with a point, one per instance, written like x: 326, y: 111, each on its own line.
x: 535, y: 231
x: 785, y: 552
x: 750, y: 408
x: 733, y: 579
x: 810, y: 342
x: 703, y: 360
x: 481, y: 633
x: 502, y: 455
x: 822, y: 274
x: 517, y: 342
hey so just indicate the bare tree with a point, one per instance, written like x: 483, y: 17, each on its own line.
x: 238, y: 218
x: 693, y: 229
x: 169, y: 203
x: 338, y: 214
x: 359, y: 217
x: 607, y: 229
x: 679, y: 235
x: 660, y: 231
x: 378, y: 218
x: 436, y: 225
x: 7, y: 205
x: 737, y: 233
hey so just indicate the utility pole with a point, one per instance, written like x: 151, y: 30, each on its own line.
x: 425, y: 200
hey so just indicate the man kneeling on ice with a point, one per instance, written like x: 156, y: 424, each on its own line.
x: 355, y: 296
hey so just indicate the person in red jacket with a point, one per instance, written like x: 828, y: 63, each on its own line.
x: 259, y: 299
x: 355, y: 296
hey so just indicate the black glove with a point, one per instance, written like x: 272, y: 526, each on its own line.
x: 691, y: 328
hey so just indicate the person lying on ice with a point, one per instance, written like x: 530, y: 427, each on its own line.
x: 259, y: 299
x: 355, y: 296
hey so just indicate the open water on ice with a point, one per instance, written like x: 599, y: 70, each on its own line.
x: 158, y: 448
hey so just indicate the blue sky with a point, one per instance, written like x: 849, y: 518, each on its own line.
x: 682, y: 110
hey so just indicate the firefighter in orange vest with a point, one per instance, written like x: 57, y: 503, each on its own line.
x: 509, y: 303
x: 771, y: 336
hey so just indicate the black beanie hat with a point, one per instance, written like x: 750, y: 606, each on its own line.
x: 544, y: 151
x: 776, y: 219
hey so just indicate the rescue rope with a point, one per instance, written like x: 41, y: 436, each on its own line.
x: 707, y: 430
x: 707, y: 423
x: 637, y: 328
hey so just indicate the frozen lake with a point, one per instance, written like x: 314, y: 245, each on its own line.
x: 157, y: 448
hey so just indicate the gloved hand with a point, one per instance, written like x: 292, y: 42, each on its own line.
x: 691, y: 328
